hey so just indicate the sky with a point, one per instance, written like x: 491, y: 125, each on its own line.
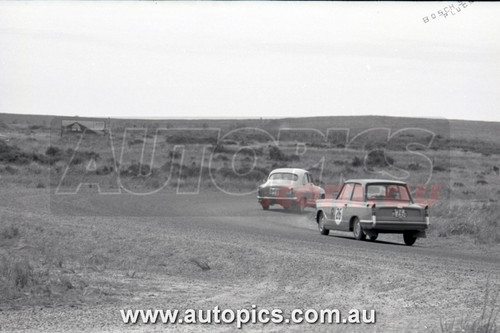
x: 249, y: 59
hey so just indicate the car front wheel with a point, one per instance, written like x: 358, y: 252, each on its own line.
x: 409, y: 238
x: 358, y: 230
x: 321, y: 225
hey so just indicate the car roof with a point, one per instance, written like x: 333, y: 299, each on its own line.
x: 375, y: 181
x: 289, y: 170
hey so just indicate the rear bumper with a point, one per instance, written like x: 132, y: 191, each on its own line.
x: 277, y: 200
x: 394, y: 226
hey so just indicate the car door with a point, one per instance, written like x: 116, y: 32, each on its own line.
x: 315, y: 190
x: 337, y: 216
x: 355, y: 206
x: 311, y: 195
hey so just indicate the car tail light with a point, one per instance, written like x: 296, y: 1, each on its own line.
x: 374, y: 215
x: 426, y: 214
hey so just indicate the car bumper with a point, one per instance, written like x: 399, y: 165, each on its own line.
x: 394, y: 226
x: 274, y: 200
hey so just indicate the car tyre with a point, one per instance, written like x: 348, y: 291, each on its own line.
x: 321, y: 225
x: 299, y: 206
x: 409, y: 238
x: 358, y: 230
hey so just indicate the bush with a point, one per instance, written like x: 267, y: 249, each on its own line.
x: 11, y: 170
x: 414, y: 166
x: 13, y: 154
x: 136, y: 170
x: 135, y: 142
x: 277, y: 155
x: 53, y: 151
x: 357, y: 162
x: 15, y: 274
x: 377, y: 158
x: 9, y: 232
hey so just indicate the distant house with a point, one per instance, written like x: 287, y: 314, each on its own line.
x: 79, y: 126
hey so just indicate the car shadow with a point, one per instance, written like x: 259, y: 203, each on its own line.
x: 351, y: 238
x: 307, y: 211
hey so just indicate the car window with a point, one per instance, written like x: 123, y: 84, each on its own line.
x: 283, y: 176
x: 358, y: 194
x: 388, y: 192
x: 309, y: 178
x: 345, y: 194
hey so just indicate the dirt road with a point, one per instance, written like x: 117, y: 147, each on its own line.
x: 271, y: 259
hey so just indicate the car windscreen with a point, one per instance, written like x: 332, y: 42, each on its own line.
x: 284, y: 176
x: 387, y: 192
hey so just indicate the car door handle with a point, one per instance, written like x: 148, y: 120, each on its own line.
x: 345, y: 205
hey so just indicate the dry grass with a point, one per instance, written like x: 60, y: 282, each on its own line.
x: 485, y: 323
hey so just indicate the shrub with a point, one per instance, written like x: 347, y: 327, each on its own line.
x: 13, y: 154
x: 414, y: 166
x: 439, y: 168
x: 54, y: 151
x: 16, y: 274
x: 356, y: 162
x: 175, y: 154
x: 277, y: 155
x: 9, y: 232
x: 378, y: 158
x: 135, y: 142
x: 11, y: 170
x: 136, y: 170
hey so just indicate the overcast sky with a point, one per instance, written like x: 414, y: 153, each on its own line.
x: 245, y: 59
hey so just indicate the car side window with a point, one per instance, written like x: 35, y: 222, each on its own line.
x: 358, y: 194
x: 346, y: 192
x: 309, y: 178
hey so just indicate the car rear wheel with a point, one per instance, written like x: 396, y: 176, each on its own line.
x: 321, y: 225
x: 409, y: 238
x: 358, y: 230
x: 299, y: 206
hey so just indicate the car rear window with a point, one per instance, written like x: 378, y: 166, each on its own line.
x: 387, y: 192
x: 284, y: 176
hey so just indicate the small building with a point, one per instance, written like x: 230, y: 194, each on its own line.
x: 77, y: 126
